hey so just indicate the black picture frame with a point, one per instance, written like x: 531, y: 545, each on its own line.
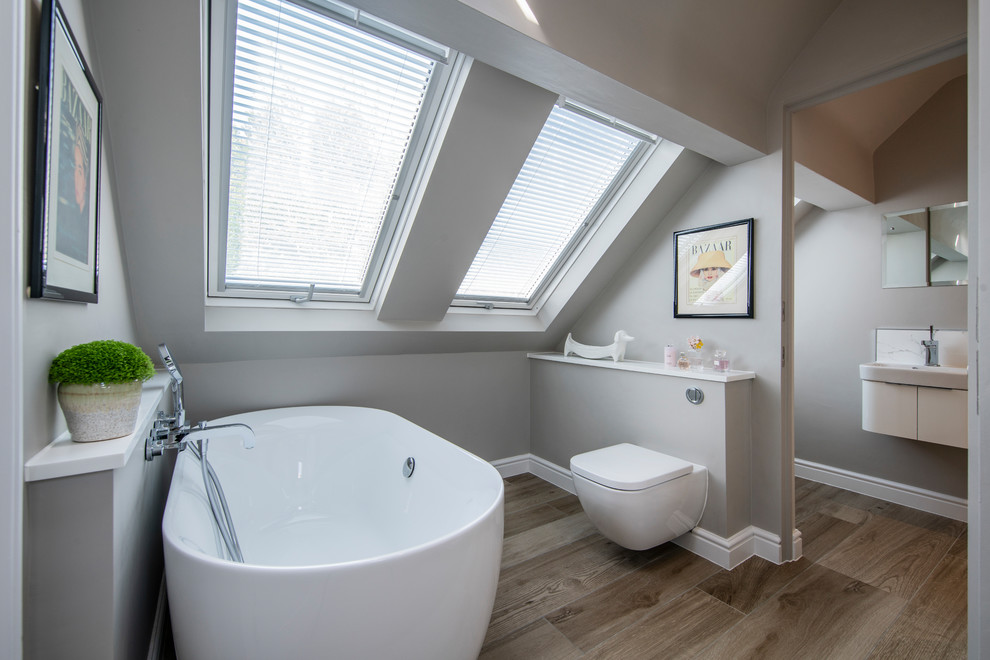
x: 65, y: 237
x: 713, y: 271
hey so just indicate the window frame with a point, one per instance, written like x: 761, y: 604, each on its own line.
x: 438, y: 103
x: 592, y: 221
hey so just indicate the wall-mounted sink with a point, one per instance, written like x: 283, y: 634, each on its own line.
x: 908, y: 374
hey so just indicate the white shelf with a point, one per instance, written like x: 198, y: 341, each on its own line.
x: 648, y: 368
x: 65, y: 458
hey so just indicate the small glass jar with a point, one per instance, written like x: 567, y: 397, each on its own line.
x: 721, y: 361
x: 696, y: 360
x: 682, y: 362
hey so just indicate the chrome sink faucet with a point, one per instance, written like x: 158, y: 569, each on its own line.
x: 931, y: 348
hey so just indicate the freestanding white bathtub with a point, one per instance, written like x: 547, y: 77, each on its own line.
x: 344, y: 556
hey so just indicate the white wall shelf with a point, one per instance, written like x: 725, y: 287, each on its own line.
x: 65, y: 458
x: 649, y: 368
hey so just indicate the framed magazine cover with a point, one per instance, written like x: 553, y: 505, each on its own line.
x: 713, y: 271
x: 65, y: 231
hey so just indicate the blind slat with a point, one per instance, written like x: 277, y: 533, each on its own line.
x: 576, y: 160
x: 323, y: 114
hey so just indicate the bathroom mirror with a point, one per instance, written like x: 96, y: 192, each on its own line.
x: 926, y: 247
x: 948, y: 239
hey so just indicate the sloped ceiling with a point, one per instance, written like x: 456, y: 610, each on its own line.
x: 872, y: 115
x: 700, y: 74
x: 697, y: 73
x: 716, y: 61
x: 836, y: 140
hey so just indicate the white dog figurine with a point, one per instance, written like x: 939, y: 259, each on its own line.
x: 616, y: 350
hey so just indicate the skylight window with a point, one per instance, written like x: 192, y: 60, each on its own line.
x: 322, y: 124
x: 578, y: 161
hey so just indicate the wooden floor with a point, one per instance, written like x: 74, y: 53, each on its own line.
x: 877, y: 580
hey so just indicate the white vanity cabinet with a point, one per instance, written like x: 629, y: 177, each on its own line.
x: 890, y: 409
x: 929, y: 414
x: 942, y: 416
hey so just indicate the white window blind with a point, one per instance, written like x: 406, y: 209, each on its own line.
x: 322, y: 117
x: 574, y: 163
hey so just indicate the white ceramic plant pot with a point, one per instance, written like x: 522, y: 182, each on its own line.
x: 99, y: 411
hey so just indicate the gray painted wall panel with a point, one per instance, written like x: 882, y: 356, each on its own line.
x: 738, y: 453
x: 94, y: 561
x: 69, y: 560
x: 139, y: 492
x: 578, y: 408
x: 478, y: 401
x: 54, y: 326
x: 640, y: 300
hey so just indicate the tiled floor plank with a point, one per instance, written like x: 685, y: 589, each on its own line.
x: 568, y: 504
x: 923, y: 519
x: 821, y: 533
x: 678, y: 630
x: 893, y: 556
x: 531, y: 589
x: 821, y: 614
x: 752, y: 582
x: 531, y: 518
x: 811, y: 498
x: 546, y: 537
x: 933, y: 625
x: 598, y: 616
x: 538, y: 640
x: 522, y: 494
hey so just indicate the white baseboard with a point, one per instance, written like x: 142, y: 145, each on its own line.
x: 910, y: 496
x: 558, y: 476
x: 530, y: 464
x: 512, y: 466
x: 730, y: 552
x: 727, y: 553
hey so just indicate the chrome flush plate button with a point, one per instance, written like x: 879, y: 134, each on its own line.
x: 694, y: 395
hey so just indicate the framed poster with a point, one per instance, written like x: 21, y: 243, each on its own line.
x: 713, y: 271
x: 65, y: 232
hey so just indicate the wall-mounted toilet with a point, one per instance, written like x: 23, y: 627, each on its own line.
x: 638, y: 497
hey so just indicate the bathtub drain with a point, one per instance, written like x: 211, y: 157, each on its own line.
x: 408, y: 467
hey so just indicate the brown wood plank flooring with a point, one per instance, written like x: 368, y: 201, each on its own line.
x: 878, y: 580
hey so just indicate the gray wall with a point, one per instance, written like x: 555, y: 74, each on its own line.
x: 92, y: 544
x: 839, y: 302
x: 639, y: 300
x: 94, y: 562
x: 579, y: 408
x: 51, y: 327
x: 478, y: 401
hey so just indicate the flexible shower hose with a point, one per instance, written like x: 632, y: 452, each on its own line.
x: 218, y: 503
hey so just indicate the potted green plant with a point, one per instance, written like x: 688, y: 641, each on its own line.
x: 99, y: 387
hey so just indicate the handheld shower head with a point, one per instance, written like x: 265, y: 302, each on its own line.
x: 178, y: 406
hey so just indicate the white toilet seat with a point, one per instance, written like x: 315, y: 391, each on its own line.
x: 637, y: 497
x: 628, y: 467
